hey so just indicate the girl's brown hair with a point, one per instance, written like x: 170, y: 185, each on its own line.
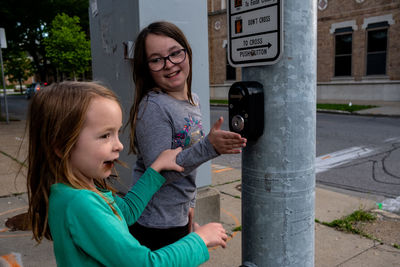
x: 141, y: 72
x: 56, y: 116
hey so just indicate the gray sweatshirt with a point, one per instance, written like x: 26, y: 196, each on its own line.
x: 164, y: 123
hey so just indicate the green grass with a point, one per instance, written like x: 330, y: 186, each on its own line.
x: 16, y: 93
x: 345, y: 224
x: 10, y: 86
x: 238, y: 228
x: 342, y: 107
x: 3, y: 118
x: 348, y: 223
x: 217, y: 101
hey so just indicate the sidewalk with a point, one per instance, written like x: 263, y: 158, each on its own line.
x: 384, y: 108
x: 332, y: 247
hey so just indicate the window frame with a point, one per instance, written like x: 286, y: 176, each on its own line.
x: 376, y: 27
x: 338, y: 32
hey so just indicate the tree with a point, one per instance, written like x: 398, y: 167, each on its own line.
x: 18, y: 67
x: 67, y: 46
x: 26, y: 24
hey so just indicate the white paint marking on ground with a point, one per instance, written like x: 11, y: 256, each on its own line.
x: 326, y: 162
x: 393, y: 140
x: 332, y: 160
x: 329, y: 161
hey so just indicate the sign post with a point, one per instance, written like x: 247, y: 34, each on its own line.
x: 278, y: 169
x: 254, y: 32
x: 3, y: 44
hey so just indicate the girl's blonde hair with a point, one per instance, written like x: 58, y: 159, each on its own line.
x: 56, y: 117
x: 142, y: 78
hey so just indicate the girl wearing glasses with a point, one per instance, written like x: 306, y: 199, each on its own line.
x: 166, y: 114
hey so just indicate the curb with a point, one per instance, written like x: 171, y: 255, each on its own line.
x: 332, y: 111
x: 388, y: 215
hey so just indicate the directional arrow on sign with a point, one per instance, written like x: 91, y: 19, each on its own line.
x: 255, y: 33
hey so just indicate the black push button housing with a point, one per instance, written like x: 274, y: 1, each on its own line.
x: 246, y: 109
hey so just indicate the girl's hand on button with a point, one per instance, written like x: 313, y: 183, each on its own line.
x: 225, y: 142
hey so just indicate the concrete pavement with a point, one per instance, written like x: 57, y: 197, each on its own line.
x: 332, y: 247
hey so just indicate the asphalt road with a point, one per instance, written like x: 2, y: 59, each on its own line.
x: 356, y: 153
x: 17, y: 106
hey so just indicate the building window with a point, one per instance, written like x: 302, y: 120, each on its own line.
x: 343, y: 51
x: 230, y: 71
x: 377, y: 34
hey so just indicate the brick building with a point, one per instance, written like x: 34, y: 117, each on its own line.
x: 358, y: 50
x: 222, y: 75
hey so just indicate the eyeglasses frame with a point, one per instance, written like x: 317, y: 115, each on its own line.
x: 168, y: 57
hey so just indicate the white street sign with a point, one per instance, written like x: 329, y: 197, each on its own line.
x: 3, y: 38
x: 255, y: 32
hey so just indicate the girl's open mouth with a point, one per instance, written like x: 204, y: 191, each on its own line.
x: 173, y: 74
x: 109, y: 163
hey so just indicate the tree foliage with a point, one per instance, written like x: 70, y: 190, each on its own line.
x: 66, y: 46
x: 18, y: 67
x: 26, y: 25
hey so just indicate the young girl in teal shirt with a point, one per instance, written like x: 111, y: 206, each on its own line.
x: 73, y: 146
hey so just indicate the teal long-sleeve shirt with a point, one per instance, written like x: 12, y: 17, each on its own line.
x: 86, y: 232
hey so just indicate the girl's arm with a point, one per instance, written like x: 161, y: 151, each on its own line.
x: 154, y: 135
x: 167, y: 161
x: 134, y: 202
x: 104, y: 238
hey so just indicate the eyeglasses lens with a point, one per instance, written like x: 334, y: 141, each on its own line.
x: 176, y: 57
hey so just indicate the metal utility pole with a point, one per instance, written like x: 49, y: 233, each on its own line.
x: 278, y: 176
x: 3, y: 44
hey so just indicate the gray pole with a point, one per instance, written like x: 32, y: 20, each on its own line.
x: 4, y: 86
x: 278, y: 176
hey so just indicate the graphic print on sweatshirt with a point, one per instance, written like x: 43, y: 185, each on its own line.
x: 191, y: 133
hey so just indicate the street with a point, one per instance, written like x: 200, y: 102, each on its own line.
x: 356, y: 153
x: 17, y: 106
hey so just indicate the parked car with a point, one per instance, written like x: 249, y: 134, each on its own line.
x: 33, y: 88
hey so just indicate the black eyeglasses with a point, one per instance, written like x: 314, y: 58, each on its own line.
x: 158, y: 63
